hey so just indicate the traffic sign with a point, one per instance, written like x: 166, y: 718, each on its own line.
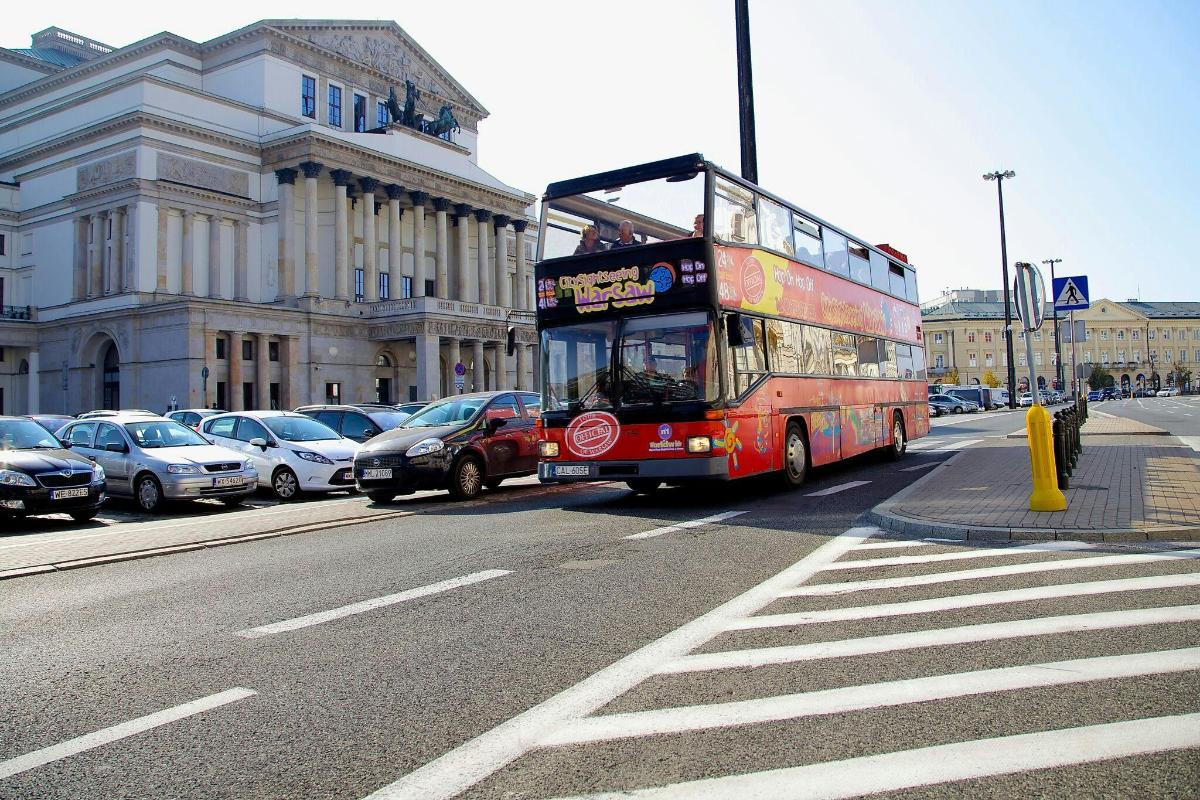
x: 1030, y: 293
x: 460, y: 369
x: 1071, y: 293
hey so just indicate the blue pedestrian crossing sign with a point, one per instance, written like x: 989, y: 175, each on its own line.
x: 1071, y: 294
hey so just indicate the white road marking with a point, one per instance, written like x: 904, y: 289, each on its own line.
x: 369, y: 605
x: 986, y: 572
x: 893, y: 545
x: 922, y: 444
x: 115, y: 733
x: 928, y: 766
x: 679, y: 526
x: 955, y: 446
x: 841, y: 487
x: 968, y: 601
x: 1191, y: 441
x: 920, y: 466
x: 990, y: 552
x: 871, y: 696
x: 914, y: 640
x: 475, y: 760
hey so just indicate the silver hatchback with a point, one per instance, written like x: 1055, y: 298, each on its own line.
x: 155, y: 459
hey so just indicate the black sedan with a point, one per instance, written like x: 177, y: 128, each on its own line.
x: 462, y: 443
x: 39, y: 476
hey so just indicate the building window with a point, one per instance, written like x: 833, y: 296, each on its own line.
x: 1104, y: 357
x: 1037, y: 336
x: 247, y: 395
x: 1054, y: 359
x: 1120, y: 356
x: 937, y: 338
x: 971, y: 360
x: 335, y: 106
x: 308, y: 96
x: 1182, y: 356
x: 406, y: 286
x: 272, y: 351
x: 1037, y: 359
x: 1021, y: 359
x: 385, y: 286
x: 359, y: 286
x: 220, y: 348
x: 1104, y: 336
x: 1087, y: 356
x: 333, y: 393
x: 3, y: 242
x: 987, y: 337
x: 1136, y: 335
x: 1167, y: 356
x: 247, y: 350
x: 1137, y: 356
x: 360, y: 113
x: 971, y: 337
x: 381, y: 115
x: 273, y: 390
x: 939, y: 361
x: 222, y: 399
x: 1166, y: 333
x: 1151, y: 335
x: 989, y: 360
x: 1197, y: 358
x: 1120, y: 336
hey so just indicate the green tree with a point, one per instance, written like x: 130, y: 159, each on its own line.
x: 989, y: 379
x: 1099, y: 377
x: 950, y: 378
x: 1182, y: 376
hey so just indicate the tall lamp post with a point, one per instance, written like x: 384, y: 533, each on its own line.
x: 1058, y: 372
x: 999, y: 177
x: 741, y: 14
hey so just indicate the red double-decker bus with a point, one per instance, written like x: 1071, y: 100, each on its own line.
x: 694, y: 326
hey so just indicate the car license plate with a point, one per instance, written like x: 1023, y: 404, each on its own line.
x: 571, y: 469
x: 232, y: 480
x: 67, y: 494
x: 376, y: 474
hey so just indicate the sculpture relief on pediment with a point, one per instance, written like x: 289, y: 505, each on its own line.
x: 205, y: 176
x: 388, y: 56
x: 109, y: 170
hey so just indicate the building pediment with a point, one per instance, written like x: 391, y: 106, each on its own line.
x: 1106, y: 312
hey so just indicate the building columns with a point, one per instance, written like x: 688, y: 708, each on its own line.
x: 478, y: 374
x: 521, y: 301
x: 236, y: 378
x: 522, y: 366
x: 262, y: 370
x: 418, y: 209
x: 370, y: 254
x: 442, y: 282
x: 116, y: 266
x: 291, y: 394
x: 79, y: 281
x: 187, y: 255
x: 453, y: 357
x: 287, y: 239
x: 486, y: 295
x: 395, y: 242
x: 241, y: 271
x: 312, y: 171
x: 95, y: 279
x: 503, y: 285
x: 341, y: 235
x: 428, y: 367
x: 129, y: 280
x: 462, y: 282
x: 500, y: 362
x: 33, y: 397
x: 214, y: 257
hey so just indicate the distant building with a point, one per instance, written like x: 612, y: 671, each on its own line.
x: 1139, y: 343
x: 216, y: 224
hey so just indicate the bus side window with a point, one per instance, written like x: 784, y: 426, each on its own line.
x: 845, y: 354
x: 749, y: 359
x: 734, y: 219
x: 904, y: 362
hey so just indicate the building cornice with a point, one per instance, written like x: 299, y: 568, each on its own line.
x: 22, y: 60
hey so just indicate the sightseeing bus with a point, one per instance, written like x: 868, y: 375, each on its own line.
x: 696, y: 327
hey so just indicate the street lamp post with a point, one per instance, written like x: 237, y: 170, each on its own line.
x: 999, y: 177
x: 741, y: 13
x: 1058, y: 373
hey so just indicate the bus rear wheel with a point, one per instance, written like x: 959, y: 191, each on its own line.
x: 795, y: 456
x: 899, y: 441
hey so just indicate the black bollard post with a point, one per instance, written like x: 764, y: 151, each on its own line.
x: 1060, y: 452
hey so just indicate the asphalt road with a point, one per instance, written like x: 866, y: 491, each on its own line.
x: 205, y: 674
x: 1179, y: 415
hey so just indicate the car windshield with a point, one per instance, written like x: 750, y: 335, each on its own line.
x: 300, y: 429
x: 23, y: 434
x: 163, y: 433
x: 450, y: 411
x: 386, y: 420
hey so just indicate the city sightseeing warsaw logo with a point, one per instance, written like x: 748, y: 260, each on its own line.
x: 592, y: 434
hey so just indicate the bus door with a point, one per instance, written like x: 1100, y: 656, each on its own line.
x: 751, y: 437
x: 860, y: 430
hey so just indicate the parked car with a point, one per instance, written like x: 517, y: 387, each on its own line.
x: 108, y: 412
x: 1026, y: 399
x: 1168, y: 392
x: 192, y: 416
x: 39, y: 476
x: 410, y: 408
x: 292, y: 452
x: 952, y: 405
x: 154, y: 459
x: 360, y: 421
x: 51, y: 422
x: 1094, y: 395
x: 981, y: 396
x: 999, y: 398
x: 935, y: 410
x: 462, y: 443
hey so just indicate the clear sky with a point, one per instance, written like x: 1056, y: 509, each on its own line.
x: 880, y: 116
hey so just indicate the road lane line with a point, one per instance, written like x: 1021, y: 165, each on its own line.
x: 915, y: 640
x: 920, y: 466
x: 967, y: 601
x: 892, y: 545
x: 370, y: 605
x: 955, y: 446
x: 679, y: 526
x: 872, y: 696
x: 841, y: 487
x: 991, y: 552
x: 921, y: 444
x: 115, y: 733
x: 929, y: 766
x: 475, y: 760
x: 986, y: 572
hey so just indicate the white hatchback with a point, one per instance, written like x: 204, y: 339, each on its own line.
x: 292, y: 452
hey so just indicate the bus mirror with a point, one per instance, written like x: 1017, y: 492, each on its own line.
x: 733, y: 330
x: 511, y: 340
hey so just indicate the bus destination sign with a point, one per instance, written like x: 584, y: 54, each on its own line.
x: 619, y: 288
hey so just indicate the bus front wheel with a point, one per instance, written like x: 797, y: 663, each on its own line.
x: 795, y: 456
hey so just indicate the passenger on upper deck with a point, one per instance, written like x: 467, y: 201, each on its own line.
x: 698, y: 225
x: 624, y: 236
x: 589, y: 241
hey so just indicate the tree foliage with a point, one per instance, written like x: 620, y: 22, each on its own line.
x: 989, y: 379
x: 1099, y: 378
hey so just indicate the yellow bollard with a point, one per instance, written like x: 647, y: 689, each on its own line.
x: 1046, y: 495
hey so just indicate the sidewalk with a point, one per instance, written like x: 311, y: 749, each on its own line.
x: 1133, y: 482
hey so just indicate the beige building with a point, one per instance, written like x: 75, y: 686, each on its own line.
x: 241, y: 223
x: 1139, y: 343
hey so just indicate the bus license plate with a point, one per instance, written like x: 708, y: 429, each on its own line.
x: 67, y: 494
x: 232, y: 480
x: 571, y: 469
x: 376, y: 474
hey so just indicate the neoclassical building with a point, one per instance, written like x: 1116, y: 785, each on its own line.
x: 241, y: 223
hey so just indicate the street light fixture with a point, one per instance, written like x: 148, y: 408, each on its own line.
x: 999, y: 178
x: 1058, y: 372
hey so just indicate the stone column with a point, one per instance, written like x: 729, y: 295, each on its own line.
x: 428, y: 367
x: 503, y: 286
x: 105, y: 257
x: 214, y: 257
x: 370, y: 269
x: 521, y: 301
x: 235, y: 371
x: 210, y: 358
x: 453, y: 356
x: 164, y: 216
x: 241, y: 270
x: 418, y: 209
x: 287, y: 239
x: 522, y: 367
x: 79, y: 276
x: 478, y: 375
x: 341, y: 235
x: 262, y: 369
x: 292, y: 394
x: 395, y: 240
x: 116, y: 266
x: 187, y: 254
x: 442, y: 248
x: 486, y: 294
x: 35, y: 384
x: 312, y: 171
x: 95, y: 278
x: 129, y: 271
x: 462, y: 213
x: 500, y: 360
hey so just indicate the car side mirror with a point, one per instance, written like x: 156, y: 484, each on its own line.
x: 115, y: 447
x: 258, y: 442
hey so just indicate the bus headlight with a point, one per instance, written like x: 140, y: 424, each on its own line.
x: 548, y: 449
x: 699, y: 444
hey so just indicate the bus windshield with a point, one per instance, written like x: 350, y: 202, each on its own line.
x: 623, y: 216
x: 661, y: 359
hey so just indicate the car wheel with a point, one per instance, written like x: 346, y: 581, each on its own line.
x: 285, y: 485
x: 84, y: 516
x: 381, y: 496
x: 795, y: 457
x: 493, y: 483
x: 466, y: 480
x: 644, y: 485
x: 148, y: 493
x: 899, y: 441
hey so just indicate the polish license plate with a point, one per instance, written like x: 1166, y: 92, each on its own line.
x: 376, y: 474
x: 571, y: 469
x: 231, y: 480
x: 67, y: 494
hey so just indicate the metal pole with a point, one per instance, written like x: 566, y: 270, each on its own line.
x: 745, y: 91
x: 1058, y: 365
x: 1008, y: 331
x: 1074, y: 368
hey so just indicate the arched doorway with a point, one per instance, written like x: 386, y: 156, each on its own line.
x: 385, y: 378
x: 1041, y: 383
x: 110, y: 378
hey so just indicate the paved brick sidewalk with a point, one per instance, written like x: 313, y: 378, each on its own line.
x: 1101, y: 424
x: 1125, y: 487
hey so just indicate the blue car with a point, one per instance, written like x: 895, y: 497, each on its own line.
x: 1094, y: 395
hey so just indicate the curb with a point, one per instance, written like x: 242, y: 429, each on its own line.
x: 1157, y: 432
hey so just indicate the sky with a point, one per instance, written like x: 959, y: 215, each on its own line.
x: 880, y: 117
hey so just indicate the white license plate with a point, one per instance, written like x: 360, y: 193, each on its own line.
x: 67, y: 494
x: 571, y: 469
x: 232, y: 480
x: 376, y: 474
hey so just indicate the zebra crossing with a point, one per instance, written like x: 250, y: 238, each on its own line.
x: 873, y: 666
